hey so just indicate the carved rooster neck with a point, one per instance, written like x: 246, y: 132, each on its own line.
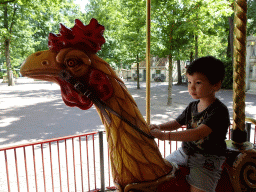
x: 135, y: 158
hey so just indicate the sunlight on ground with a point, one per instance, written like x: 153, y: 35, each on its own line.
x: 136, y: 95
x: 3, y: 140
x: 183, y: 92
x: 250, y: 109
x: 162, y: 116
x: 31, y: 90
x: 8, y: 121
x: 19, y: 102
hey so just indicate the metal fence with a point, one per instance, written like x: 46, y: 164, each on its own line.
x: 72, y: 163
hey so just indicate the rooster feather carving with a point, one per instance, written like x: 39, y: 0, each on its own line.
x: 135, y: 158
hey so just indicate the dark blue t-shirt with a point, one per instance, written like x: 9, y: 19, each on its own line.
x: 215, y: 116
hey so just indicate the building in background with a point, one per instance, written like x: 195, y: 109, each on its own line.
x: 125, y: 74
x: 159, y: 68
x: 251, y: 64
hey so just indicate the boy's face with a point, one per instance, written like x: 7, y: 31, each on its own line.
x: 199, y: 87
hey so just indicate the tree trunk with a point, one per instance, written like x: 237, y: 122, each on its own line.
x: 230, y: 38
x: 169, y: 100
x: 179, y: 73
x: 191, y: 57
x: 7, y: 50
x: 138, y: 73
x: 8, y: 63
x: 196, y: 46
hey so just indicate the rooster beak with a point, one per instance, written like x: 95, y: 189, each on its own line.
x: 41, y: 65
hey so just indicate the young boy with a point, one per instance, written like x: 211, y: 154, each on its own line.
x: 207, y: 120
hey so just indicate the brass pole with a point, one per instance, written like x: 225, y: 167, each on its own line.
x: 239, y: 65
x: 148, y: 63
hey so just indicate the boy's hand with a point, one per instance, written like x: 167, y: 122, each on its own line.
x: 157, y: 133
x: 154, y: 126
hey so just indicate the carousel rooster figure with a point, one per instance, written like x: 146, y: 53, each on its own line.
x: 85, y: 79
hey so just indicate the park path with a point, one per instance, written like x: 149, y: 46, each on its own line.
x: 34, y: 110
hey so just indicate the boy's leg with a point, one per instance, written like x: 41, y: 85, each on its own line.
x: 194, y: 189
x: 178, y: 157
x: 205, y: 172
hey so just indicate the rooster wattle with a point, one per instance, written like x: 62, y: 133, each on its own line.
x: 135, y: 158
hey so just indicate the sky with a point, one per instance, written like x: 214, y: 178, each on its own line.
x: 82, y: 3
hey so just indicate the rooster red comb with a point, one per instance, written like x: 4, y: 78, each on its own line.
x: 86, y: 37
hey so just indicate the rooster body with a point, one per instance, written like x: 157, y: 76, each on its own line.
x: 134, y: 157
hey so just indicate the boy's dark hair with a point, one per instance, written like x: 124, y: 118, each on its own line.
x: 209, y: 66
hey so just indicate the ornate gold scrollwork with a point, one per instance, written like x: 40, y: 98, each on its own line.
x: 243, y: 172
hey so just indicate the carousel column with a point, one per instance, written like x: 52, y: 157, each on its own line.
x: 241, y: 158
x: 239, y: 133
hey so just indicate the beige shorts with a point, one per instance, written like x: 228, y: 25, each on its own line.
x: 205, y: 170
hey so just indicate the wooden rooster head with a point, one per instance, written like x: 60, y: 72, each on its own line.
x: 73, y: 50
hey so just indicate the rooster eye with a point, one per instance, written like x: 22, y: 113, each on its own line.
x: 72, y: 62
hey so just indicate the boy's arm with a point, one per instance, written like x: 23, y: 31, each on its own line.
x: 200, y: 132
x: 168, y: 126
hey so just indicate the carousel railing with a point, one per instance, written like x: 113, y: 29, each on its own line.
x: 72, y: 163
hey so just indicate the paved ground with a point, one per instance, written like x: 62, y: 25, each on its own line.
x: 34, y: 110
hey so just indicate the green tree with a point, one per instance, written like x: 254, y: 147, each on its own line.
x: 108, y: 13
x: 171, y: 32
x: 26, y: 25
x: 125, y: 33
x: 251, y: 17
x: 134, y: 37
x: 184, y: 26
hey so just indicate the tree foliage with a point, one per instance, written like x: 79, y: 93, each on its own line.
x: 124, y: 23
x: 181, y: 21
x: 251, y: 16
x: 25, y: 25
x: 178, y: 27
x: 182, y: 27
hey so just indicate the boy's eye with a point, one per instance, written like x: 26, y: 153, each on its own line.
x: 198, y: 82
